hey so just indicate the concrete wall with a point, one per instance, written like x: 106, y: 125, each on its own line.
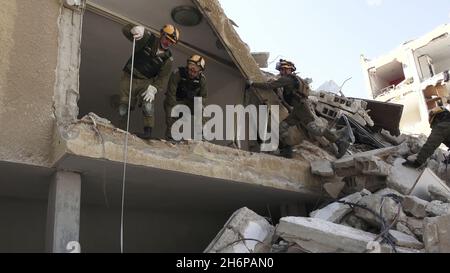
x: 28, y: 53
x: 22, y: 225
x: 104, y: 53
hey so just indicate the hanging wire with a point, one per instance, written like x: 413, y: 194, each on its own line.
x: 125, y: 152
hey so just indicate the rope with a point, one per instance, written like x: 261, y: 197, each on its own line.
x: 125, y: 152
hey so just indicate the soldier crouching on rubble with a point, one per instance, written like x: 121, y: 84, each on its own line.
x: 439, y: 119
x: 296, y: 93
x: 152, y: 67
x: 184, y: 85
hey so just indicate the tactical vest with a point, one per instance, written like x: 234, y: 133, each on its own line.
x: 187, y: 88
x: 303, y: 91
x: 441, y: 117
x: 146, y: 61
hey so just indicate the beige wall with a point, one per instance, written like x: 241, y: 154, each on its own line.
x: 28, y: 52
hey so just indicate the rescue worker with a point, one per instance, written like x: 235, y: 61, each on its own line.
x: 439, y: 119
x: 152, y: 67
x: 184, y: 85
x: 295, y: 93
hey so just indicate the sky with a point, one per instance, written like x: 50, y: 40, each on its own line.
x: 325, y: 38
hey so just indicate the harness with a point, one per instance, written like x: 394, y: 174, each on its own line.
x: 187, y: 89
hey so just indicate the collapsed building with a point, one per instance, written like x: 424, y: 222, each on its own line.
x: 415, y: 75
x: 61, y: 153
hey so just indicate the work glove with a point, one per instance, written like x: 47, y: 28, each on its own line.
x: 138, y: 32
x: 149, y: 94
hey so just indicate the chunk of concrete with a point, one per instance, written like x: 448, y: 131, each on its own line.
x: 415, y: 206
x: 244, y: 232
x: 437, y: 208
x: 415, y: 225
x: 336, y: 211
x: 437, y: 234
x: 401, y: 178
x: 405, y: 240
x: 372, y: 165
x: 377, y: 204
x: 440, y: 193
x: 404, y: 229
x: 334, y: 189
x: 316, y: 235
x: 355, y: 222
x: 322, y: 168
x: 428, y: 178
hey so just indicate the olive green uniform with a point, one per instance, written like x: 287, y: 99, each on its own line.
x: 295, y: 93
x: 182, y: 90
x: 150, y: 68
x: 440, y: 134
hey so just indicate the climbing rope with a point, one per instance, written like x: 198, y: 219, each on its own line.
x: 125, y: 152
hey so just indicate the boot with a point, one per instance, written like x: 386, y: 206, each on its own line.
x: 147, y: 133
x: 342, y: 145
x: 286, y: 152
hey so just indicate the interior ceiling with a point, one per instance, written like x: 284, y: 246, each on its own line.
x: 391, y: 71
x: 156, y: 13
x: 437, y: 49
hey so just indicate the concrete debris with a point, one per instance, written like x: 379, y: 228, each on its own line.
x: 393, y: 139
x: 316, y: 235
x: 331, y: 106
x: 402, y: 178
x: 403, y: 228
x: 441, y: 193
x: 415, y: 206
x: 381, y: 205
x: 437, y: 208
x: 322, y: 168
x: 334, y: 189
x: 437, y: 234
x: 245, y: 232
x: 405, y: 240
x: 336, y: 211
x: 415, y: 225
x: 372, y: 166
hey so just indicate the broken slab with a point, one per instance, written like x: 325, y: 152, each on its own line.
x: 372, y: 165
x: 437, y: 208
x: 437, y: 234
x: 322, y: 168
x: 404, y: 229
x: 415, y: 225
x: 336, y: 211
x: 244, y: 232
x: 427, y: 179
x: 317, y: 235
x: 346, y: 166
x: 401, y: 178
x: 334, y: 189
x: 405, y: 240
x: 375, y: 203
x: 415, y: 206
x: 440, y: 193
x: 355, y: 222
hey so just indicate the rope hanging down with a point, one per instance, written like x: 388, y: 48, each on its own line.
x: 125, y: 152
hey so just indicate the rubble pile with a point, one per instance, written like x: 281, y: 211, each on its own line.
x: 375, y: 205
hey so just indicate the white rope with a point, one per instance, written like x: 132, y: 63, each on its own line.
x: 125, y: 152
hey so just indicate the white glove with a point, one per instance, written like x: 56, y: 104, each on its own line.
x: 149, y: 94
x: 138, y: 32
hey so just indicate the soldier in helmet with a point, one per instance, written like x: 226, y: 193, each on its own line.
x: 184, y: 85
x: 296, y: 93
x: 439, y: 119
x: 152, y: 67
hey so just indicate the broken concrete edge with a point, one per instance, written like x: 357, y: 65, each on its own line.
x: 244, y: 232
x: 237, y: 49
x: 85, y: 139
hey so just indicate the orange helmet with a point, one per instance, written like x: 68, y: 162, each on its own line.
x: 171, y: 32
